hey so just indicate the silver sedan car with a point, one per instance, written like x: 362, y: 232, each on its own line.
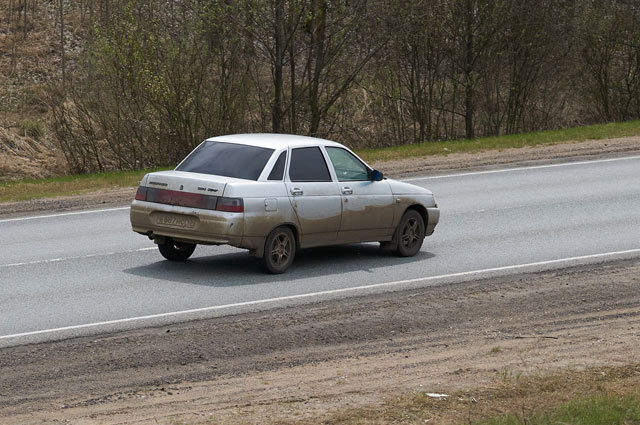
x: 274, y: 194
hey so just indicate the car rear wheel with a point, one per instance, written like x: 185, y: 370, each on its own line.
x: 279, y: 250
x: 410, y: 234
x: 176, y: 251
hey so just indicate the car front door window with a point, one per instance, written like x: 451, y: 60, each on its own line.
x: 367, y: 207
x: 347, y: 167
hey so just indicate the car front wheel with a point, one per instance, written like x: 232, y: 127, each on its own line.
x: 176, y: 251
x: 279, y: 250
x: 410, y: 234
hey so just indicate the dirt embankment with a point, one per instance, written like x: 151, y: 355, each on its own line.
x: 313, y: 363
x: 24, y: 158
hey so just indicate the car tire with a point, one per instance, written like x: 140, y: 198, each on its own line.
x: 176, y: 251
x: 410, y: 234
x: 279, y: 250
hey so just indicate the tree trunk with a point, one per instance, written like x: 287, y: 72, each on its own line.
x: 277, y: 71
x: 318, y: 39
x: 24, y: 26
x: 62, y: 62
x: 293, y: 124
x: 468, y: 70
x: 91, y: 41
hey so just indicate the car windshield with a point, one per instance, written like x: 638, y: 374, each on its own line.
x: 228, y: 160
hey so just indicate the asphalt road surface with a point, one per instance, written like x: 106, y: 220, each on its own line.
x: 86, y: 272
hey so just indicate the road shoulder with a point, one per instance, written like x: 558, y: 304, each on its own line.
x: 304, y: 364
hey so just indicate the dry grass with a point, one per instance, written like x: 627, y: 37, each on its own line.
x: 25, y: 157
x: 523, y: 397
x: 30, y: 61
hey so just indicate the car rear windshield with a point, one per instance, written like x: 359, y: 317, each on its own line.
x: 227, y: 159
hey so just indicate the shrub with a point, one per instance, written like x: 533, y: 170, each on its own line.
x: 33, y: 129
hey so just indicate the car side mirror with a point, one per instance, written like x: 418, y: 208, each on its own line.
x: 376, y: 176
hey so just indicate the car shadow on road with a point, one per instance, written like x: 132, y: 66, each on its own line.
x: 238, y: 268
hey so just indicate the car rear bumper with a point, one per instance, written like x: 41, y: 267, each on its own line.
x: 433, y: 216
x: 187, y: 224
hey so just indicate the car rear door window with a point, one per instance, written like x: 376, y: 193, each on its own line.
x: 308, y: 165
x: 277, y: 173
x: 228, y: 160
x: 347, y: 166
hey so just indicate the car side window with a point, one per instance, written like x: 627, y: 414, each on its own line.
x: 277, y: 173
x: 308, y: 165
x: 347, y: 167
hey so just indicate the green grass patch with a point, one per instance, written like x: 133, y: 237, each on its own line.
x: 599, y: 396
x: 595, y: 410
x: 70, y: 185
x: 538, y: 138
x: 599, y: 409
x: 30, y: 128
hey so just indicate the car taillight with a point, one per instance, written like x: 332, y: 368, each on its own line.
x: 230, y: 205
x: 187, y: 199
x: 176, y: 197
x: 141, y: 194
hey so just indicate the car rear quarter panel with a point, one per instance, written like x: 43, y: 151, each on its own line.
x: 266, y: 206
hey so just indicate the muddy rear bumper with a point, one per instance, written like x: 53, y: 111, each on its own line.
x: 184, y: 224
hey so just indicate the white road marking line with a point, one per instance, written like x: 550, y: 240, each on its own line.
x: 56, y: 260
x: 316, y: 294
x: 532, y: 167
x: 6, y: 220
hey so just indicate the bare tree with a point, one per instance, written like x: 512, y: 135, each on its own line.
x: 611, y: 53
x: 472, y: 25
x: 62, y: 48
x: 159, y: 76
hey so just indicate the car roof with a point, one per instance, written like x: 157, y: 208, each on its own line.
x: 273, y: 141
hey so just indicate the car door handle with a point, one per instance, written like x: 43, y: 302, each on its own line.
x: 347, y: 190
x: 295, y: 191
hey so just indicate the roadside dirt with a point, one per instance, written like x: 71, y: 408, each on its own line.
x: 322, y: 362
x: 100, y: 199
x: 590, y: 149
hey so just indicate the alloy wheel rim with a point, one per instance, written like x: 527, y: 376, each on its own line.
x: 281, y: 249
x: 410, y: 233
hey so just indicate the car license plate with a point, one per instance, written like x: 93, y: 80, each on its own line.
x: 176, y: 220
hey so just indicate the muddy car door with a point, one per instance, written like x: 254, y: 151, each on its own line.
x: 315, y: 197
x: 367, y: 205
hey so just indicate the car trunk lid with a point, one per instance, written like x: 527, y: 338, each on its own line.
x: 186, y: 182
x: 185, y: 189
